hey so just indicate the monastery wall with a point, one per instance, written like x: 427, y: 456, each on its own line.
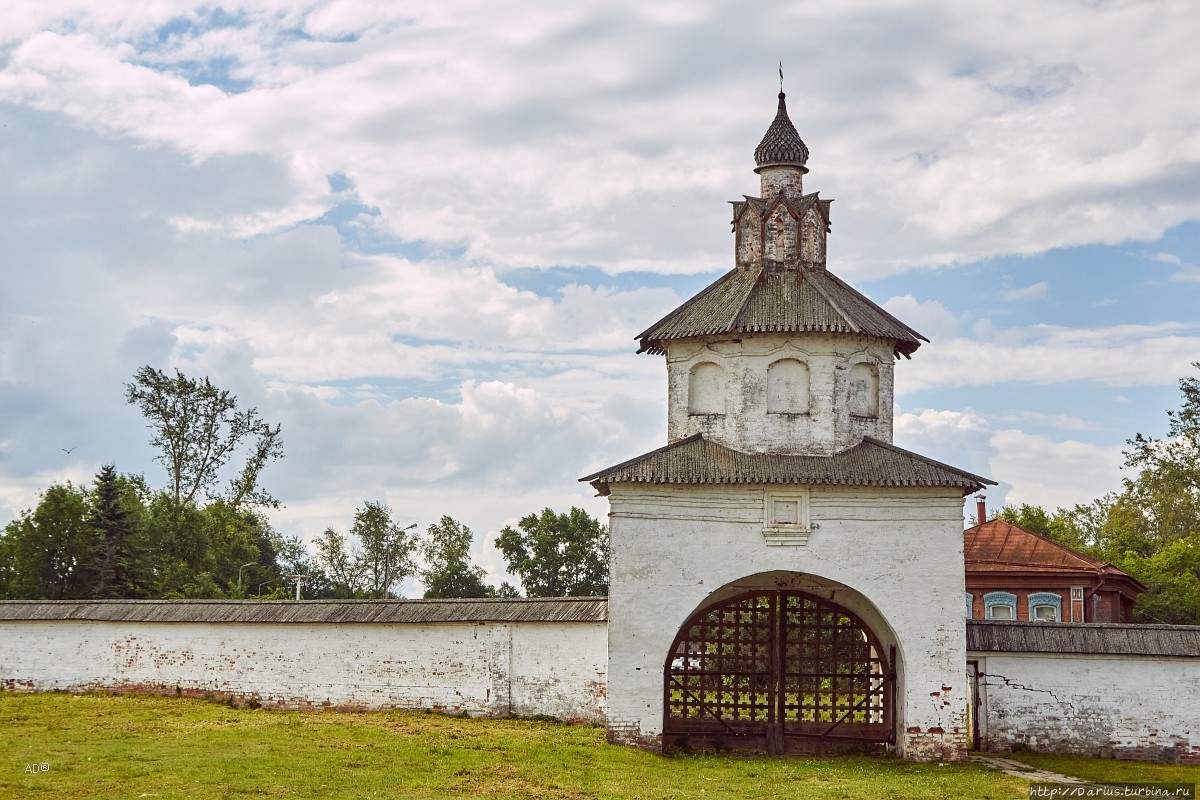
x: 481, y: 668
x: 1134, y: 707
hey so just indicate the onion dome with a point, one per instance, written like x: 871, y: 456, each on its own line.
x: 781, y: 146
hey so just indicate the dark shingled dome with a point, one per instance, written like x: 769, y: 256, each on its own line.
x: 781, y: 146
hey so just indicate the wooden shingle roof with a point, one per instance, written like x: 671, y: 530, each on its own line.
x: 555, y: 609
x: 871, y: 462
x: 1098, y: 639
x: 779, y: 301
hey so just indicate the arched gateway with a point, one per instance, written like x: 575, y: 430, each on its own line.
x: 778, y: 670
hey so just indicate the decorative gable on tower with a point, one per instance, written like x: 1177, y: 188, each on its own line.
x: 783, y: 232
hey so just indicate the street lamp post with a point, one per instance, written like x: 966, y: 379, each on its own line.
x: 242, y: 567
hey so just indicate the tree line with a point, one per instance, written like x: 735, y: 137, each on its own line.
x: 1149, y: 529
x: 196, y: 538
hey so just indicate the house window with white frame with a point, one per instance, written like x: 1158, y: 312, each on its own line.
x: 1000, y: 606
x: 1045, y: 607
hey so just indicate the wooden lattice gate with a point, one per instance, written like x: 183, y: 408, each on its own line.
x: 778, y: 671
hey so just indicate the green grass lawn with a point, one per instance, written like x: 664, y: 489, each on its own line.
x: 99, y: 746
x: 1107, y: 770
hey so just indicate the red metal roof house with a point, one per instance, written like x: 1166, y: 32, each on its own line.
x: 1015, y: 574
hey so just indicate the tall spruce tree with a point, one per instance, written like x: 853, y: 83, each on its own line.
x: 118, y: 558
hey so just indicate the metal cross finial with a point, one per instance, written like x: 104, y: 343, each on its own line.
x: 781, y: 76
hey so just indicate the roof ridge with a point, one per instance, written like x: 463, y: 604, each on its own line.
x: 878, y: 307
x: 686, y: 304
x: 696, y: 460
x: 836, y: 307
x: 1095, y: 563
x: 733, y: 321
x: 669, y: 446
x: 926, y: 459
x: 1089, y: 562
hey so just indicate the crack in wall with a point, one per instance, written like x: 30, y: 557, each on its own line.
x: 1011, y: 684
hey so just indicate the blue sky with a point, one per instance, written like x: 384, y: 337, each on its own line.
x: 423, y: 236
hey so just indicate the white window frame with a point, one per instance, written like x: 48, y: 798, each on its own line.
x: 780, y: 533
x: 993, y: 599
x: 1045, y: 600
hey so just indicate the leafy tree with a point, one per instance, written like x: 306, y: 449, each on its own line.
x: 373, y: 561
x: 49, y: 551
x: 197, y: 429
x: 1031, y: 518
x: 293, y: 559
x: 202, y: 552
x: 1172, y: 575
x: 449, y: 571
x: 240, y: 547
x: 1174, y: 461
x: 177, y: 545
x: 386, y: 556
x: 339, y: 563
x: 1153, y: 528
x: 507, y: 590
x: 121, y: 540
x: 558, y: 555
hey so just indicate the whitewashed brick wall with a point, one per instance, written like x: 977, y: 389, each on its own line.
x: 745, y: 424
x: 491, y: 668
x: 1137, y: 707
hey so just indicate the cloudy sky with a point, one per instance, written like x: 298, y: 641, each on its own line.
x: 422, y: 236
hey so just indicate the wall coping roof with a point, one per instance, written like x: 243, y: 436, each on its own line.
x: 1083, y: 638
x: 556, y: 609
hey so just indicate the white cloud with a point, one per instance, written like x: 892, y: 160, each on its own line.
x: 1055, y: 473
x: 510, y: 132
x: 1064, y: 422
x: 930, y: 317
x: 1190, y: 273
x: 1117, y: 356
x: 162, y: 160
x: 1029, y: 468
x: 959, y: 438
x: 1036, y: 291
